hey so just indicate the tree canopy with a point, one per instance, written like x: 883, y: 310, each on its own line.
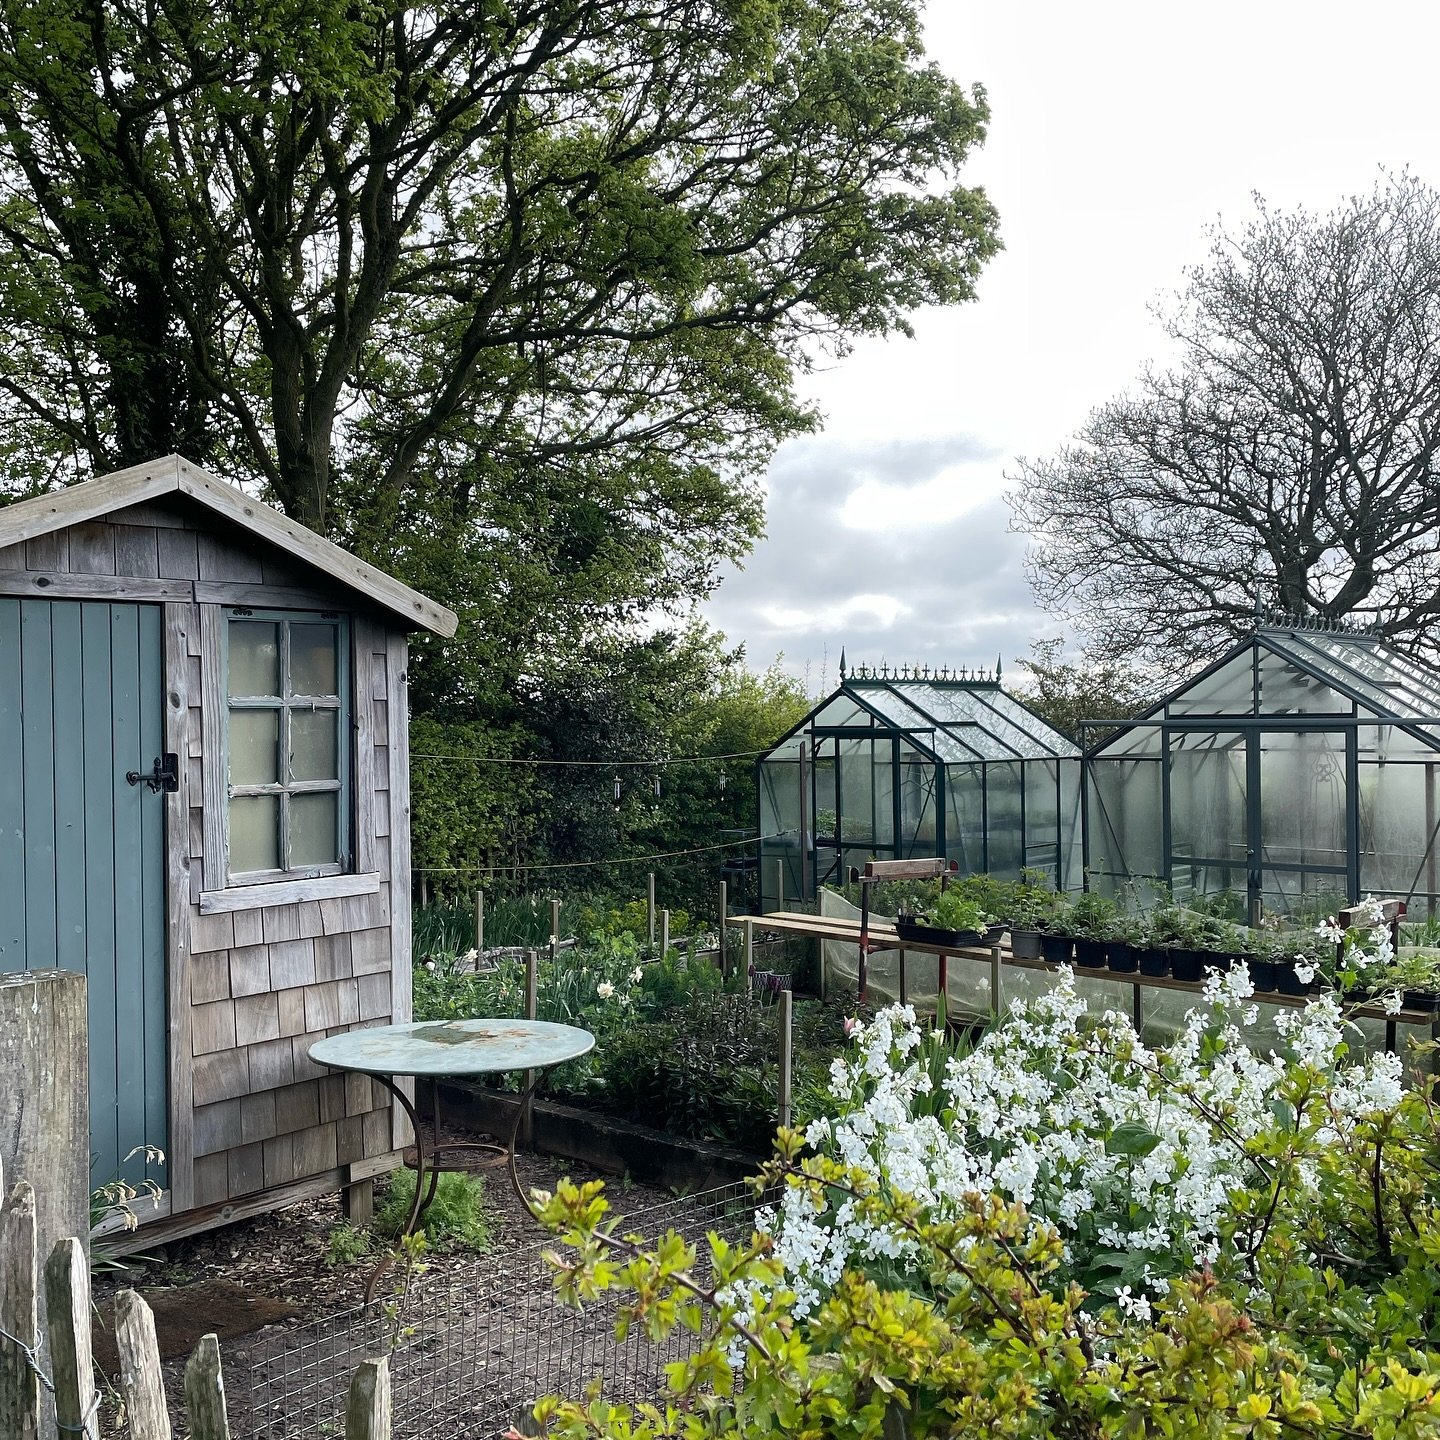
x: 1287, y: 459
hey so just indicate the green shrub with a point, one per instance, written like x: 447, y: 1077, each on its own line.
x: 346, y: 1245
x: 456, y: 1219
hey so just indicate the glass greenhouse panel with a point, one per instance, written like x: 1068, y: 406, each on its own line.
x: 963, y: 743
x: 972, y: 709
x: 1285, y: 689
x: 842, y: 713
x: 858, y: 820
x: 1050, y: 739
x: 918, y: 811
x: 1004, y: 819
x: 965, y: 817
x: 1140, y: 741
x: 1230, y: 690
x: 1126, y: 805
x: 1207, y: 796
x: 1071, y: 833
x: 1042, y: 818
x: 1389, y: 744
x: 1304, y: 800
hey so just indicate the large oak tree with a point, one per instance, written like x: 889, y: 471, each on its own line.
x: 1288, y: 457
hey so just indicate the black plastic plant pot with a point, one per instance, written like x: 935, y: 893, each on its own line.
x: 1422, y: 1000
x: 1186, y: 964
x: 1122, y: 957
x: 1154, y: 962
x: 910, y: 929
x: 1263, y: 973
x: 1025, y: 944
x: 1090, y: 953
x: 1056, y: 949
x: 1215, y: 960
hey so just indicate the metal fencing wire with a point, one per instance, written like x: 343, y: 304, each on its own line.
x: 476, y: 1349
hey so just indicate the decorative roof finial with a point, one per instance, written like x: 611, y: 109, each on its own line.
x: 997, y: 669
x: 842, y: 664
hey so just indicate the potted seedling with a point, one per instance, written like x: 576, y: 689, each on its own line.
x: 1090, y: 920
x: 1057, y: 939
x: 1263, y: 952
x: 1416, y: 975
x: 1126, y: 937
x: 951, y: 919
x: 1029, y: 910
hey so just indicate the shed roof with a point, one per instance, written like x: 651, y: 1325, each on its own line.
x: 93, y: 499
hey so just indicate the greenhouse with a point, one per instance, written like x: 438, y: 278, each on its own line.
x: 917, y: 763
x: 1294, y: 773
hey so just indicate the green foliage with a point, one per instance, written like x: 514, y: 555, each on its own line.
x: 347, y: 1245
x: 456, y: 1219
x: 1065, y: 691
x: 953, y: 910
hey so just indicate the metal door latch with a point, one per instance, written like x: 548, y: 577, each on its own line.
x: 164, y: 774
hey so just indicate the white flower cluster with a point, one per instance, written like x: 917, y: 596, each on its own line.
x: 1128, y: 1151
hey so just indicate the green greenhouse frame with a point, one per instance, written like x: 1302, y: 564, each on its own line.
x: 915, y: 763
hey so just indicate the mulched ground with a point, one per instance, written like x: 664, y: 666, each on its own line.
x: 480, y: 1337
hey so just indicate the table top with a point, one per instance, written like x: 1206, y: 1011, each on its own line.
x: 453, y: 1047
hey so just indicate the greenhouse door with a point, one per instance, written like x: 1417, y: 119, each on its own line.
x: 855, y: 800
x: 82, y: 851
x: 1266, y: 813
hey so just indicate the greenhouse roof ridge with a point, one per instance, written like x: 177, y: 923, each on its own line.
x: 884, y: 673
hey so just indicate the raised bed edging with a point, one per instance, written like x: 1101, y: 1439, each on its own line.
x: 617, y: 1147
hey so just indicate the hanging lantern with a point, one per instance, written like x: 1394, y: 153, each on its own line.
x: 657, y: 786
x: 617, y: 789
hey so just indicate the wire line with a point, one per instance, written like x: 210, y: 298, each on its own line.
x: 588, y: 864
x: 598, y: 764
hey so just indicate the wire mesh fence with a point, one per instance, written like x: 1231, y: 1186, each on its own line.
x: 475, y: 1350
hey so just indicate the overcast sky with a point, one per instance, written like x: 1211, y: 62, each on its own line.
x: 1119, y: 132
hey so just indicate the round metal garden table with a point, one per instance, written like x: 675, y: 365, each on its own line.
x: 453, y: 1049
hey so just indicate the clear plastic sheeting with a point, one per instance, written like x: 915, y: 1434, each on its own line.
x: 1295, y: 773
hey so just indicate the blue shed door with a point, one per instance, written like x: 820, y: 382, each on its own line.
x: 82, y: 851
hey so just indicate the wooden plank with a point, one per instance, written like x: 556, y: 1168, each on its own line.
x: 78, y: 503
x: 141, y: 1381
x: 12, y: 819
x: 70, y: 783
x: 223, y: 558
x: 92, y: 549
x: 211, y: 932
x: 372, y: 951
x: 272, y: 1065
x: 51, y: 584
x: 217, y: 1127
x: 297, y: 1107
x: 19, y: 1316
x: 332, y: 958
x: 179, y: 556
x: 257, y: 1018
x: 401, y: 978
x: 212, y: 721
x: 37, y: 759
x: 212, y: 1027
x: 291, y: 1006
x: 288, y: 892
x: 363, y: 651
x: 210, y: 977
x: 49, y: 552
x: 282, y: 923
x: 67, y: 1306
x: 249, y: 927
x: 137, y: 551
x: 269, y: 597
x: 367, y: 1409
x: 292, y: 962
x: 212, y: 1178
x: 205, y: 1392
x: 221, y: 1074
x: 250, y: 970
x: 246, y: 1172
x: 257, y: 1117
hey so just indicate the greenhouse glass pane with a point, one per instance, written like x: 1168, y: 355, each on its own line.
x: 1138, y: 741
x: 948, y: 745
x: 1289, y: 689
x: 1399, y: 820
x: 1302, y: 896
x: 1303, y: 798
x: 1042, y: 816
x: 857, y: 792
x: 965, y: 817
x: 883, y: 776
x: 957, y: 706
x: 823, y: 777
x: 1032, y: 725
x: 779, y: 797
x: 1230, y: 690
x: 1004, y: 833
x: 917, y: 804
x: 1207, y: 795
x: 314, y: 745
x: 841, y: 710
x: 1221, y: 883
x: 1392, y: 744
x: 1072, y: 856
x: 1126, y: 817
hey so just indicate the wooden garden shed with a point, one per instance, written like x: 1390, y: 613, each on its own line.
x: 204, y: 806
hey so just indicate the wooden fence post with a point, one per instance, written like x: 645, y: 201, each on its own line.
x: 664, y: 933
x: 724, y: 915
x: 205, y: 1392
x: 140, y: 1379
x: 19, y: 1316
x: 787, y: 1036
x: 45, y: 1107
x: 650, y: 912
x: 749, y: 953
x: 479, y: 926
x: 554, y: 924
x: 67, y: 1302
x: 367, y: 1415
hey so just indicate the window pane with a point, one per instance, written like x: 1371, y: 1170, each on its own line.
x: 254, y: 833
x: 313, y: 752
x: 254, y: 747
x: 254, y: 658
x: 314, y: 669
x: 313, y: 829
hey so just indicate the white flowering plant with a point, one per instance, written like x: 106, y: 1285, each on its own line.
x: 1061, y: 1234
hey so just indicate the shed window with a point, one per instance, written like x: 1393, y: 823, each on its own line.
x: 288, y: 718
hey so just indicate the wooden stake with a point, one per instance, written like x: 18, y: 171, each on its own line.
x: 650, y: 912
x: 779, y: 884
x: 664, y: 933
x: 367, y: 1412
x: 479, y: 926
x: 67, y: 1302
x: 554, y: 923
x: 749, y: 929
x: 140, y: 1379
x: 424, y: 892
x: 19, y: 1315
x: 787, y: 1016
x: 205, y: 1392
